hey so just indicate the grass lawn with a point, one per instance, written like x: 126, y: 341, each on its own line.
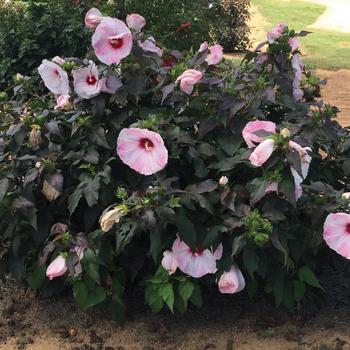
x: 322, y: 49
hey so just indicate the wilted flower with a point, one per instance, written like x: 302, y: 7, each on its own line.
x: 272, y: 187
x: 142, y: 150
x: 285, y: 132
x: 57, y: 268
x: 188, y: 79
x: 252, y: 127
x: 293, y: 43
x: 86, y: 81
x: 111, y: 217
x: 52, y: 186
x: 135, y: 21
x: 232, y: 281
x: 169, y: 262
x: 93, y: 18
x: 110, y: 84
x: 275, y: 33
x: 35, y: 138
x: 216, y: 54
x: 262, y: 152
x: 112, y: 41
x: 62, y: 102
x: 195, y: 262
x: 54, y: 77
x: 149, y: 45
x: 223, y: 181
x: 59, y: 60
x: 336, y: 233
x: 298, y: 69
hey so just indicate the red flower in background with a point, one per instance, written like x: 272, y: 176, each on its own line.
x: 184, y: 26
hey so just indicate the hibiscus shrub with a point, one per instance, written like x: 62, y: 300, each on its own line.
x: 143, y: 167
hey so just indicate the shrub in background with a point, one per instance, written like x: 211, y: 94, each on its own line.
x: 171, y: 172
x: 33, y: 30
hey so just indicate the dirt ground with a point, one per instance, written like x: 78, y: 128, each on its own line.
x: 337, y: 92
x: 224, y: 323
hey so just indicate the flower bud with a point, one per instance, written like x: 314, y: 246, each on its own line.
x: 59, y: 60
x: 169, y: 262
x: 223, y: 181
x: 18, y: 78
x: 3, y: 96
x: 232, y: 281
x: 111, y: 217
x: 346, y: 195
x: 285, y: 133
x: 35, y: 138
x: 56, y: 268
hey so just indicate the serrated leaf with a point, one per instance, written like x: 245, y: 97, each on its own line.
x: 167, y: 293
x: 186, y: 290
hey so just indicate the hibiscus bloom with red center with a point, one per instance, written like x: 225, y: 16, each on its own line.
x: 142, y: 150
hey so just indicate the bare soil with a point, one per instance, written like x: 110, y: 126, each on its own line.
x: 225, y: 323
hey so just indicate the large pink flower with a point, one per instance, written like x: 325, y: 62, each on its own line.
x: 275, y: 33
x: 336, y: 233
x: 188, y: 79
x: 93, y: 18
x: 216, y: 54
x: 232, y: 281
x: 135, y: 21
x: 54, y: 77
x: 142, y: 150
x: 195, y: 262
x: 262, y: 153
x: 86, y: 81
x: 249, y: 130
x: 149, y: 45
x: 112, y: 41
x: 56, y: 268
x: 168, y: 262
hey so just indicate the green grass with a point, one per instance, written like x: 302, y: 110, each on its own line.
x: 322, y: 49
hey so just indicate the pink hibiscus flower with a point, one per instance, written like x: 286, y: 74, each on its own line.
x: 93, y: 18
x: 188, y: 79
x: 135, y: 21
x: 336, y: 233
x: 149, y: 45
x: 86, y: 81
x: 275, y: 33
x: 54, y: 77
x: 112, y: 41
x: 232, y: 281
x: 142, y: 150
x: 195, y: 262
x: 57, y: 268
x: 249, y: 130
x: 262, y: 153
x: 216, y: 54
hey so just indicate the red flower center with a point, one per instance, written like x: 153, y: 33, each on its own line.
x: 116, y: 43
x: 56, y: 72
x: 146, y: 144
x: 91, y: 80
x: 348, y: 228
x: 196, y: 251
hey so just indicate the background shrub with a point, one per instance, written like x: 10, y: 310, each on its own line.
x: 32, y: 30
